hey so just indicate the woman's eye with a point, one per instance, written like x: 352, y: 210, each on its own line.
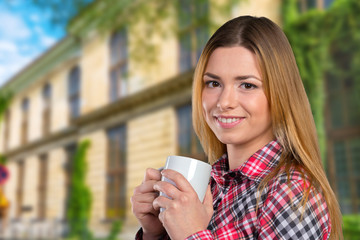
x: 248, y: 86
x: 212, y: 84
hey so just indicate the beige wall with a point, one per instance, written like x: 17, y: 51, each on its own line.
x: 16, y: 116
x: 59, y: 105
x: 11, y: 187
x: 95, y: 74
x: 151, y: 137
x: 56, y: 184
x: 31, y: 183
x: 96, y: 175
x: 267, y: 8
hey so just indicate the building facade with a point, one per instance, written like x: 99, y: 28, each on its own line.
x: 134, y: 115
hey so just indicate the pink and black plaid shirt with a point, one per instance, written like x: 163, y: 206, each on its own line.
x: 280, y: 214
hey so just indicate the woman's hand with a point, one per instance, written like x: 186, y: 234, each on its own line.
x: 142, y: 205
x: 183, y: 214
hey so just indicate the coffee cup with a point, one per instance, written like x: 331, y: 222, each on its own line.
x: 195, y: 171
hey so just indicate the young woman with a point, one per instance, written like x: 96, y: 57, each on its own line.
x: 253, y: 118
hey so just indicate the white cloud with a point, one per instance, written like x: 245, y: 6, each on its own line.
x: 35, y: 18
x: 15, y: 63
x: 13, y: 27
x: 45, y: 39
x: 23, y: 36
x: 38, y: 30
x: 48, y: 41
x: 7, y: 47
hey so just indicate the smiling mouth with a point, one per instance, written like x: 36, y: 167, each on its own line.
x: 228, y: 120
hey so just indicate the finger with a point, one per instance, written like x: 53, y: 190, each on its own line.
x: 181, y: 182
x: 145, y: 198
x: 145, y: 187
x: 144, y: 208
x: 152, y: 174
x: 208, y: 201
x: 143, y: 203
x: 169, y: 189
x: 161, y: 202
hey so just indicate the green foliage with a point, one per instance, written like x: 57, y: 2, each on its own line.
x: 2, y: 160
x: 325, y: 43
x: 351, y: 227
x: 289, y: 11
x: 307, y: 41
x: 80, y: 200
x: 115, y: 230
x: 5, y: 99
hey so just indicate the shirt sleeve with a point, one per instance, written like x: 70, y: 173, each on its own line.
x: 284, y: 216
x: 139, y: 236
x: 205, y: 234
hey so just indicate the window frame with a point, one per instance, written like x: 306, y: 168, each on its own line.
x: 46, y: 111
x: 25, y: 107
x: 341, y: 133
x: 116, y: 173
x: 42, y: 186
x: 196, y: 150
x: 70, y: 151
x: 74, y: 88
x: 119, y: 66
x: 20, y: 188
x: 7, y: 126
x: 189, y: 29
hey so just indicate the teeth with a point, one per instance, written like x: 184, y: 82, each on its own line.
x: 228, y: 120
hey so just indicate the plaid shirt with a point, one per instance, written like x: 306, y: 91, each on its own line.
x: 280, y: 214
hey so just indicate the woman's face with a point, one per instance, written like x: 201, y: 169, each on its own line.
x: 234, y: 103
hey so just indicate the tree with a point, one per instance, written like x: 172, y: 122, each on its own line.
x: 5, y: 99
x: 80, y: 199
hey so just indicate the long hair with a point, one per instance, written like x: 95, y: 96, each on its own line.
x: 292, y: 121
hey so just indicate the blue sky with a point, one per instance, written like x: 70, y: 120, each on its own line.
x: 25, y: 33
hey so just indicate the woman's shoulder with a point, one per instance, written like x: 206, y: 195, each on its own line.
x: 295, y: 185
x: 292, y: 176
x: 292, y: 199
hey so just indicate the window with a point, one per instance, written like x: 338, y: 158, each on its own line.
x: 347, y: 165
x: 118, y: 65
x: 305, y: 5
x: 25, y: 118
x: 343, y: 133
x: 43, y: 172
x: 193, y: 21
x: 116, y: 173
x: 74, y: 92
x: 7, y: 129
x: 46, y: 97
x: 188, y: 143
x: 70, y: 151
x: 327, y: 3
x: 20, y: 188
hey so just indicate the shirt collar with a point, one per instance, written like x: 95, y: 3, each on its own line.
x: 255, y: 168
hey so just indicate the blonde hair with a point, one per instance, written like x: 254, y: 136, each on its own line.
x: 291, y: 115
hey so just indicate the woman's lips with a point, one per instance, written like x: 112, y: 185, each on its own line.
x: 228, y: 122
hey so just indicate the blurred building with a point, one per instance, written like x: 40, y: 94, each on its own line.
x: 98, y: 87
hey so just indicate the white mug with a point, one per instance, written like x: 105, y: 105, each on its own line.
x: 195, y: 171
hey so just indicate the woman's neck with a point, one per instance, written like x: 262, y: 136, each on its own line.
x: 238, y: 154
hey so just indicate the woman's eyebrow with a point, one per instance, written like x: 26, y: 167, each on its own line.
x: 247, y: 77
x: 211, y: 75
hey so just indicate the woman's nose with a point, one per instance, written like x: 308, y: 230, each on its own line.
x: 227, y: 99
